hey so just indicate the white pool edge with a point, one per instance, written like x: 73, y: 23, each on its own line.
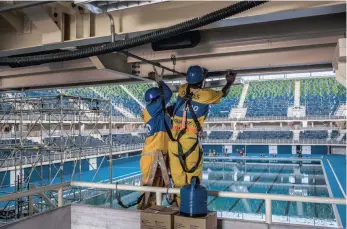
x: 336, y: 212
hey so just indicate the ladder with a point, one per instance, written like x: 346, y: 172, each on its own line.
x: 158, y: 177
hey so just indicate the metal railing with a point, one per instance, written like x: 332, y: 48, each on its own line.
x: 68, y: 155
x: 275, y: 141
x: 266, y: 128
x: 117, y: 119
x: 159, y: 192
x: 274, y: 118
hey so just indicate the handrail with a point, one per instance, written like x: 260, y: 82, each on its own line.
x: 34, y: 191
x: 267, y: 197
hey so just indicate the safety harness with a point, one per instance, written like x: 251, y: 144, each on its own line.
x: 187, y: 102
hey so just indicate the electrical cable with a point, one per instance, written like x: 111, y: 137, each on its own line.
x: 132, y: 42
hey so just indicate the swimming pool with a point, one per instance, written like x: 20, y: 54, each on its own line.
x: 304, y: 177
x: 288, y: 176
x: 297, y: 178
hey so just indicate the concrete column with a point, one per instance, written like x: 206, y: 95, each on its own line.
x: 60, y: 197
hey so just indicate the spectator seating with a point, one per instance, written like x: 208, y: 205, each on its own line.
x: 5, y: 108
x: 75, y: 141
x: 269, y: 98
x: 42, y: 93
x: 322, y: 96
x: 314, y: 134
x: 12, y: 142
x: 16, y: 142
x: 217, y: 135
x: 121, y: 98
x: 223, y: 108
x: 265, y: 135
x: 126, y: 139
x: 138, y: 90
x: 88, y: 93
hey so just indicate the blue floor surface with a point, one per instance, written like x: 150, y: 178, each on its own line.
x: 338, y: 163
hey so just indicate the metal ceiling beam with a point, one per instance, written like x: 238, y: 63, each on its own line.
x: 16, y: 22
x: 102, y: 37
x: 281, y: 15
x: 62, y: 79
x: 255, y: 60
x: 319, y: 30
x: 51, y: 33
x: 109, y: 68
x: 22, y: 6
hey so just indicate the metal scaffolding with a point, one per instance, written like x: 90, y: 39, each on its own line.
x: 40, y: 134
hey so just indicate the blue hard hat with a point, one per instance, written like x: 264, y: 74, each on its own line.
x: 195, y: 74
x: 152, y: 93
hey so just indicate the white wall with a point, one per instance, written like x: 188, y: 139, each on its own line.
x: 338, y: 150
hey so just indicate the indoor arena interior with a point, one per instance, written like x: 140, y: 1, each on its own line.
x: 173, y: 114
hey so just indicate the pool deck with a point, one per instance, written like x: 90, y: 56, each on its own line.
x: 335, y: 167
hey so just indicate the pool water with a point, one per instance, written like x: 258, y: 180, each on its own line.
x: 297, y: 178
x: 274, y: 177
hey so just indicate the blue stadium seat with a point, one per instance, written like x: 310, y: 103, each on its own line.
x: 220, y: 135
x: 126, y: 139
x: 89, y: 93
x: 74, y: 141
x: 322, y: 96
x: 223, y: 108
x: 269, y: 98
x: 265, y: 135
x: 314, y: 134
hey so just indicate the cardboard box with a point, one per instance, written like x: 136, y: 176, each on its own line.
x: 207, y: 222
x: 158, y: 217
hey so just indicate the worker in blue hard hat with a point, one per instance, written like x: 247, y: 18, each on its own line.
x: 154, y: 117
x: 191, y: 110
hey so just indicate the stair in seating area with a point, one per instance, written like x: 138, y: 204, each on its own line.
x: 297, y: 93
x: 132, y: 96
x: 341, y: 135
x: 341, y: 110
x: 296, y: 135
x: 329, y: 135
x: 243, y: 95
x: 296, y: 110
x: 235, y: 134
x: 119, y: 108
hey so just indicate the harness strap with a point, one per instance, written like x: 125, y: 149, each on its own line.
x: 119, y: 201
x: 181, y: 155
x: 166, y: 126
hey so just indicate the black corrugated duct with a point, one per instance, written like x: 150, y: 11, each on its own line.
x: 132, y: 42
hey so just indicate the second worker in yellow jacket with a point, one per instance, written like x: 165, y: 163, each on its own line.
x: 154, y: 117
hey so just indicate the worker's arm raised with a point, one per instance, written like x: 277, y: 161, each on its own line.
x: 167, y: 91
x: 230, y: 78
